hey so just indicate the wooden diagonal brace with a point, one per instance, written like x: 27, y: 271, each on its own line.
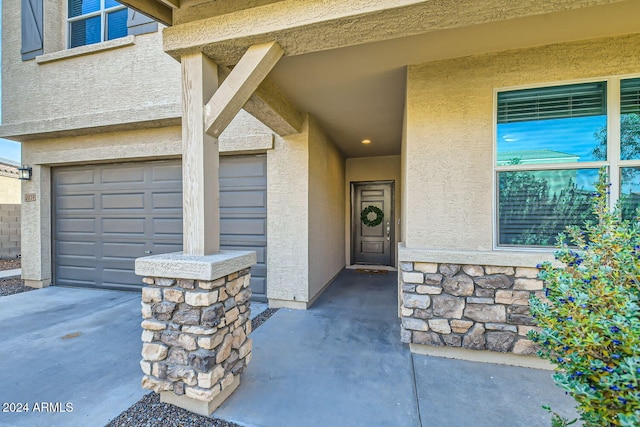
x: 269, y: 105
x: 238, y: 87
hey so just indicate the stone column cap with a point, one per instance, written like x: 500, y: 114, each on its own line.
x: 177, y: 265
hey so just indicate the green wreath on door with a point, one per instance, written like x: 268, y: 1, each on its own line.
x: 364, y: 216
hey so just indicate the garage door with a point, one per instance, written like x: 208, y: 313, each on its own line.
x: 106, y: 216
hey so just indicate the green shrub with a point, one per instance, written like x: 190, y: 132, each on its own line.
x: 590, y: 327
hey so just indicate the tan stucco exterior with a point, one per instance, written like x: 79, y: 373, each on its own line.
x: 380, y: 168
x: 305, y: 216
x: 288, y: 195
x: 326, y: 210
x: 9, y: 190
x: 448, y: 170
x: 121, y: 101
x: 92, y: 86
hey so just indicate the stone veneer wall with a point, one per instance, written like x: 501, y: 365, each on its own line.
x: 195, y: 338
x: 470, y: 306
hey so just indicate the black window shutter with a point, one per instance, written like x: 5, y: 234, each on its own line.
x: 138, y: 23
x: 32, y: 26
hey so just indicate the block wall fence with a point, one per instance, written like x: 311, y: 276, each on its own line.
x: 9, y: 231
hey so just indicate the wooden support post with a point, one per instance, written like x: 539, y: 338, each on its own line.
x: 200, y: 159
x: 238, y: 87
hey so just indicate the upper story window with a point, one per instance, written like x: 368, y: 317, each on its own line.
x: 94, y: 21
x: 550, y: 143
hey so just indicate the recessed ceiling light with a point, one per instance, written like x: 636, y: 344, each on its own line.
x: 366, y: 141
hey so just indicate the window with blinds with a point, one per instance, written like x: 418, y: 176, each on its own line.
x: 94, y: 21
x: 559, y: 124
x: 630, y: 119
x: 543, y: 135
x: 630, y: 146
x: 579, y: 100
x: 630, y: 96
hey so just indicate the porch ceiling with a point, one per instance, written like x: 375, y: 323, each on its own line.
x: 357, y: 92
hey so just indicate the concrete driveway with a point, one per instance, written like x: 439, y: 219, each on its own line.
x: 340, y: 363
x: 71, y: 354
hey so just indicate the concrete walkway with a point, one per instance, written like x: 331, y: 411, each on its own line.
x: 341, y: 363
x: 5, y: 274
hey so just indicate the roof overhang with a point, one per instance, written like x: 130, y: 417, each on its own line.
x: 160, y: 10
x: 345, y: 61
x: 305, y: 26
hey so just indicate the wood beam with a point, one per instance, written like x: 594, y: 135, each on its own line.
x: 269, y: 105
x: 173, y: 4
x: 200, y: 159
x: 153, y: 9
x: 239, y: 85
x: 272, y: 107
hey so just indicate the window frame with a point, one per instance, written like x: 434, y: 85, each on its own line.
x: 613, y: 163
x: 103, y: 12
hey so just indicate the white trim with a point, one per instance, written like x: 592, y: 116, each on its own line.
x: 551, y: 166
x: 554, y: 83
x: 494, y: 178
x: 86, y: 50
x: 613, y: 134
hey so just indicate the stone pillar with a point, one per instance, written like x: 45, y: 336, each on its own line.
x: 196, y: 312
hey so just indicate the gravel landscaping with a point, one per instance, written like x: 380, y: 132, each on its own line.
x: 9, y: 264
x: 13, y: 285
x: 149, y: 412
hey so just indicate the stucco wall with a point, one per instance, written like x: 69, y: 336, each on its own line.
x: 287, y: 218
x: 448, y: 169
x: 326, y: 210
x: 380, y: 168
x: 9, y: 190
x: 96, y: 86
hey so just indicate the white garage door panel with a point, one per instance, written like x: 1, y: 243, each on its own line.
x: 106, y: 216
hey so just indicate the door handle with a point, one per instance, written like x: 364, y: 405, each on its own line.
x: 388, y: 231
x: 148, y: 252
